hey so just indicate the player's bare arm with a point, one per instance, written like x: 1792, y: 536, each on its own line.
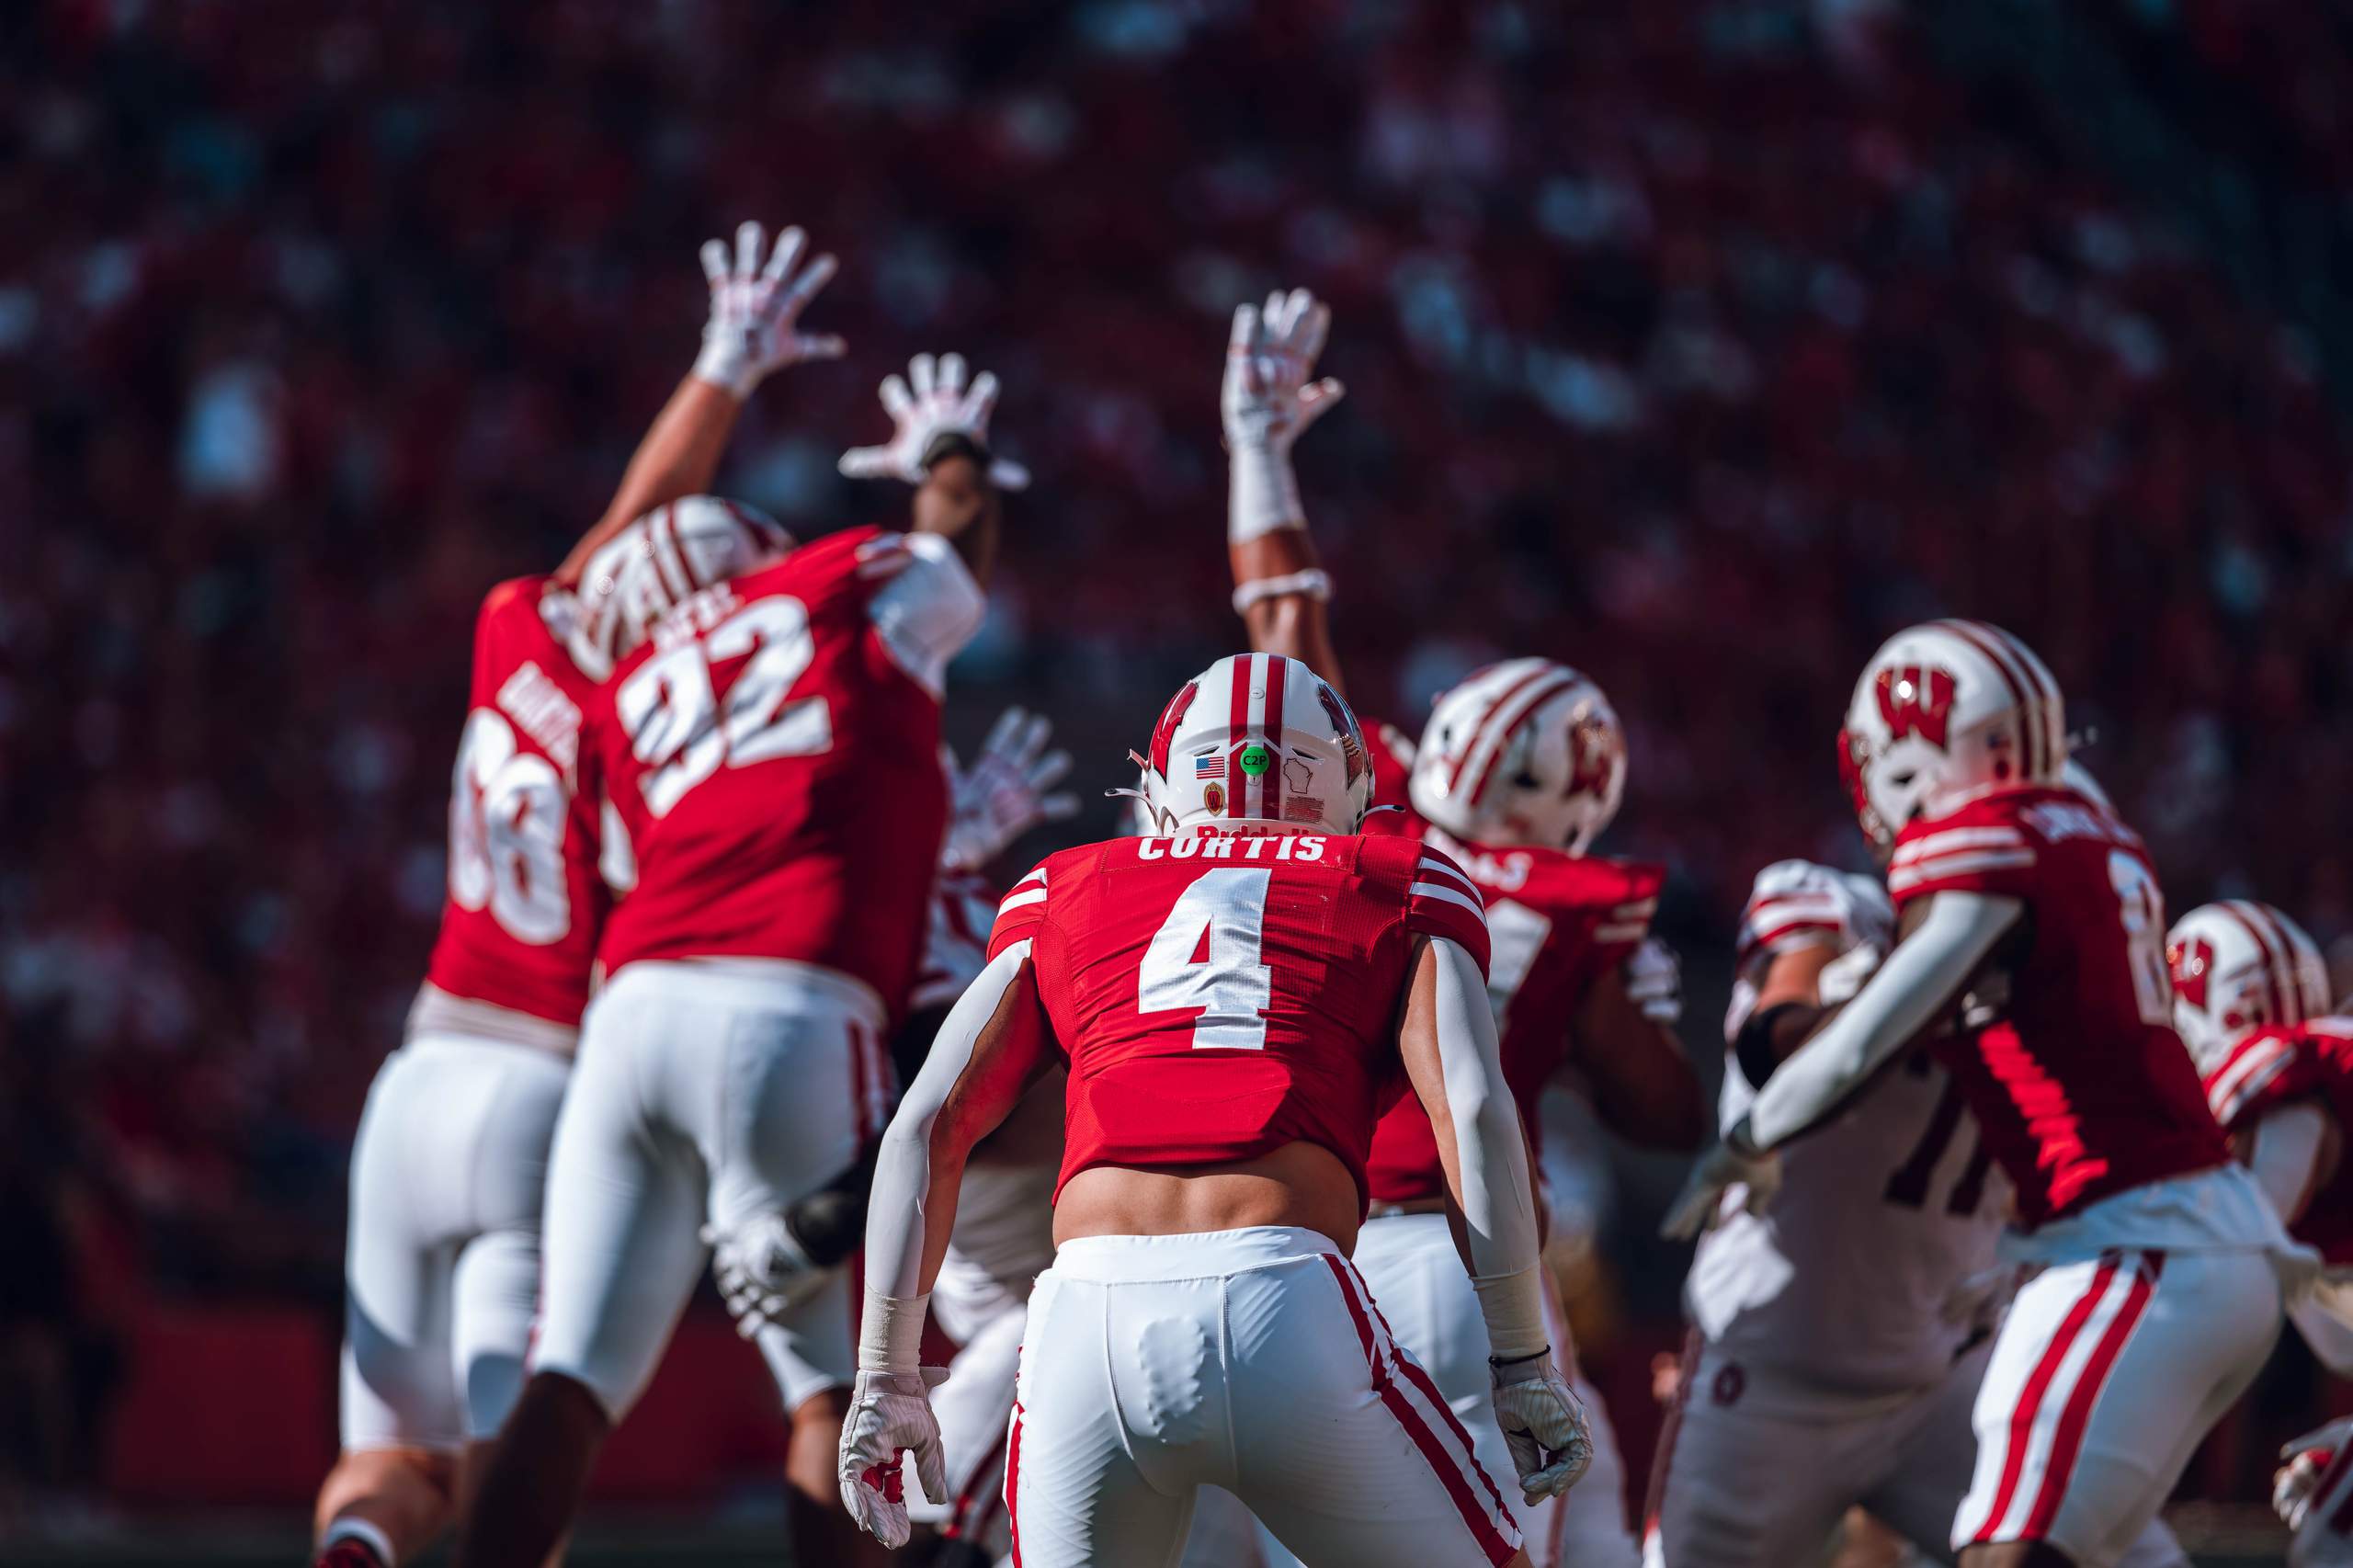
x: 1446, y: 1036
x: 1933, y: 964
x: 992, y: 1048
x: 1280, y: 588
x: 2293, y: 1153
x: 1643, y: 1086
x: 755, y: 307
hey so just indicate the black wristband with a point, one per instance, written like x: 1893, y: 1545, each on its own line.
x: 954, y: 443
x: 1753, y: 1046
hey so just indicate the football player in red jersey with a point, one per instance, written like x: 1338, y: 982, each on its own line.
x: 1235, y: 997
x: 2162, y: 1270
x: 2251, y: 1001
x: 1519, y: 769
x: 443, y: 1251
x: 773, y: 751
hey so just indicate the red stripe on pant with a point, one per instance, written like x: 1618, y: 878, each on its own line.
x: 2068, y: 1440
x: 1013, y: 1481
x: 1420, y: 1377
x: 1490, y: 1540
x: 2030, y: 1395
x: 1662, y: 1457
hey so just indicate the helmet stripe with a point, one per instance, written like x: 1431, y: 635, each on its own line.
x: 1530, y: 703
x: 2047, y: 703
x: 2241, y: 912
x: 1237, y: 721
x: 662, y: 544
x: 2292, y: 970
x: 2030, y: 726
x: 1463, y: 763
x: 1271, y: 783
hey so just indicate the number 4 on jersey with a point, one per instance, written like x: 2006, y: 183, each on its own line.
x: 1206, y: 955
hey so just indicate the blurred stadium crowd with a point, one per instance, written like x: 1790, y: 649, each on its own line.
x: 1699, y: 346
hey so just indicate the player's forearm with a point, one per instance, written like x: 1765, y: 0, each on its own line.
x: 2285, y: 1157
x: 1929, y: 970
x: 678, y: 457
x: 1280, y: 590
x: 1643, y: 1084
x: 1478, y: 1126
x: 957, y: 502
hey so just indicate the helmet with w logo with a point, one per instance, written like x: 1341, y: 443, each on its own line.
x: 1524, y: 751
x: 2238, y: 965
x: 1255, y: 744
x: 671, y: 552
x: 1946, y: 711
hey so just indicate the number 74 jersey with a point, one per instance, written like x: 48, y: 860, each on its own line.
x: 1219, y: 997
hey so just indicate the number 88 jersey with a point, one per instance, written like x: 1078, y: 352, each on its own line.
x: 518, y: 932
x: 2080, y: 1084
x: 1218, y: 997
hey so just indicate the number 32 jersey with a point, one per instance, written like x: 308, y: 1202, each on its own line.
x: 2081, y: 1086
x: 773, y: 750
x: 519, y: 931
x: 1219, y: 997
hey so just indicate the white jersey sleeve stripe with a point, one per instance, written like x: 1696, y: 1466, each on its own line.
x: 1037, y: 875
x: 1017, y: 900
x: 2245, y: 1078
x: 1438, y: 889
x: 1906, y: 876
x: 1431, y: 863
x: 1624, y: 931
x: 1995, y: 837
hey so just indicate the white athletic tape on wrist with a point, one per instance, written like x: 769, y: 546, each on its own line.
x: 1513, y: 1306
x: 1262, y: 495
x: 890, y: 1333
x: 1315, y: 583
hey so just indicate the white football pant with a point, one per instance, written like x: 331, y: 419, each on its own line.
x: 1253, y: 1360
x: 2104, y: 1378
x: 441, y: 1259
x: 705, y: 1090
x: 1415, y: 1272
x: 1728, y: 1496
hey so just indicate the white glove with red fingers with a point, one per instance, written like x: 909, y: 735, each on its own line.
x: 1654, y: 982
x: 1004, y: 794
x: 1267, y: 401
x: 762, y: 1271
x: 931, y: 402
x: 756, y: 309
x: 890, y: 1413
x: 2292, y: 1489
x: 1544, y: 1426
x: 1717, y: 1172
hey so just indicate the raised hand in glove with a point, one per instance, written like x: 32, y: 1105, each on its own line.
x: 1544, y: 1426
x: 756, y: 309
x: 1268, y: 398
x: 890, y: 1413
x: 1005, y: 793
x: 930, y: 406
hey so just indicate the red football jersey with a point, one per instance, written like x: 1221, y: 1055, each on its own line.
x: 1393, y: 764
x: 773, y: 750
x: 520, y: 928
x: 1219, y: 997
x: 2280, y: 1065
x: 1556, y: 923
x: 2081, y: 1086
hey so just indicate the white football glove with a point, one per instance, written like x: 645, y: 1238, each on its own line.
x: 1004, y: 794
x: 1654, y: 982
x: 890, y: 1412
x: 1715, y: 1173
x: 2307, y: 1457
x: 932, y: 401
x: 1268, y: 398
x: 1841, y: 977
x: 753, y: 309
x: 1544, y: 1426
x: 762, y: 1271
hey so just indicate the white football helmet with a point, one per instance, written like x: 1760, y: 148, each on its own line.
x: 1946, y: 711
x: 1255, y: 744
x: 2238, y: 965
x: 1524, y: 752
x: 660, y: 559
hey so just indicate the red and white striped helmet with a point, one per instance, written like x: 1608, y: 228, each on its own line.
x: 1946, y: 711
x: 2238, y: 965
x: 660, y: 559
x: 1257, y: 743
x: 1524, y: 751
